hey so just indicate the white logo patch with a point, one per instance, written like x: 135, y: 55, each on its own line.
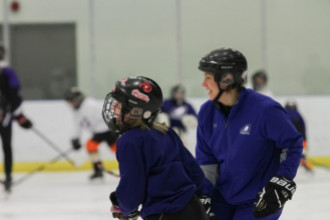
x: 246, y: 129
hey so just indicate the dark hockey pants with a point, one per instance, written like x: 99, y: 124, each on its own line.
x: 193, y: 211
x: 5, y: 133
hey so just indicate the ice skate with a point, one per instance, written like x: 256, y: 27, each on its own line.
x: 7, y: 183
x: 96, y: 175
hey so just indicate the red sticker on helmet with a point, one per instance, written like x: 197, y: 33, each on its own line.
x: 137, y: 94
x: 123, y: 81
x: 146, y: 86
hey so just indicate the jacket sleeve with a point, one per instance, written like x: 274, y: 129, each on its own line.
x: 13, y: 92
x: 206, y: 160
x: 285, y: 136
x: 193, y: 169
x: 133, y: 175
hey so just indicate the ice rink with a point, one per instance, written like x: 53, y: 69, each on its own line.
x: 71, y: 196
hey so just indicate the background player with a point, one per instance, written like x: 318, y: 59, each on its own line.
x: 182, y: 115
x: 10, y: 108
x: 156, y: 170
x: 241, y: 138
x: 259, y: 83
x: 87, y: 115
x: 299, y: 122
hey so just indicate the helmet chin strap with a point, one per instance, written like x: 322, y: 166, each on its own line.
x: 221, y: 91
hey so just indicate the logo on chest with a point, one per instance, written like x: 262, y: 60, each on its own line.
x: 246, y: 129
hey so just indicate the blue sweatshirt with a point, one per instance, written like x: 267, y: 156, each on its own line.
x: 156, y: 171
x: 247, y: 145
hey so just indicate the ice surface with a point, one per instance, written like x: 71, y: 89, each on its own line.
x: 71, y: 196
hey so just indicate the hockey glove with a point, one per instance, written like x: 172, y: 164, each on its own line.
x: 206, y: 202
x: 23, y: 121
x: 76, y: 144
x: 273, y: 196
x: 116, y: 213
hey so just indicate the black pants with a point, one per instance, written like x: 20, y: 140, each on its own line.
x: 107, y: 136
x: 5, y: 133
x: 193, y: 211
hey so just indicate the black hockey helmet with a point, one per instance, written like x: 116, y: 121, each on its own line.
x: 260, y: 74
x: 259, y: 80
x: 223, y: 61
x: 139, y: 97
x: 290, y: 105
x: 75, y: 96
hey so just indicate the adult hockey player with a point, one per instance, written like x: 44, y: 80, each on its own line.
x: 299, y: 122
x: 246, y: 145
x: 10, y: 108
x: 181, y: 114
x: 156, y: 170
x: 87, y: 115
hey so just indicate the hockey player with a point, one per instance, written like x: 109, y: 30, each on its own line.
x: 10, y: 108
x: 156, y: 170
x: 299, y: 122
x: 246, y: 145
x: 181, y: 114
x: 87, y: 115
x: 259, y: 83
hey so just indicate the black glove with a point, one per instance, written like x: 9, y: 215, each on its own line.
x: 273, y: 196
x: 116, y: 213
x: 206, y: 202
x: 23, y: 121
x: 76, y: 144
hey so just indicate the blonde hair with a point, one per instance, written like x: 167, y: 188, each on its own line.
x: 161, y: 127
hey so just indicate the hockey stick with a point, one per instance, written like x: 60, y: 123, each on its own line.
x: 40, y: 168
x: 108, y: 171
x: 50, y: 143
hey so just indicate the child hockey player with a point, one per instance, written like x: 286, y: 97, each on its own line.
x: 156, y: 170
x: 87, y: 115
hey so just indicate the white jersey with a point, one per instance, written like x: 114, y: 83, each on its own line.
x: 89, y: 116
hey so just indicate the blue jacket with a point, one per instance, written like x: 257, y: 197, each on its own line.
x: 247, y: 145
x: 156, y: 171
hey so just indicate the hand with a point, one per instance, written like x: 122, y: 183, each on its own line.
x: 116, y: 213
x: 23, y: 121
x: 206, y: 202
x: 76, y: 144
x: 273, y: 196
